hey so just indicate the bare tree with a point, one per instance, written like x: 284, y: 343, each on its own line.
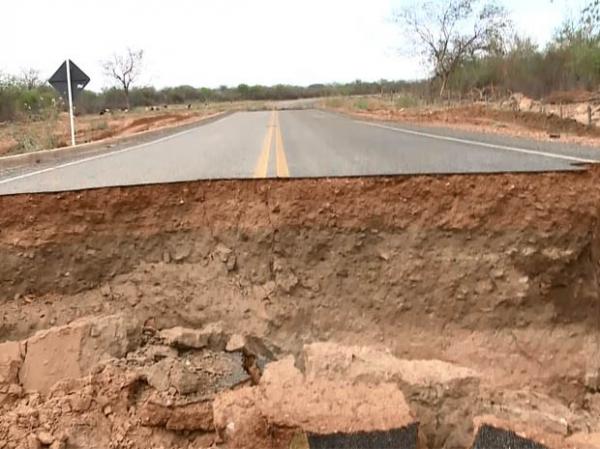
x: 447, y: 32
x: 125, y: 69
x: 591, y: 13
x: 30, y: 78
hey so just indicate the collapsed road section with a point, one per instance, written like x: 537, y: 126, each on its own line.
x: 431, y: 312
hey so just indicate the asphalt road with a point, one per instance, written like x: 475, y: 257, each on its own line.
x: 299, y: 143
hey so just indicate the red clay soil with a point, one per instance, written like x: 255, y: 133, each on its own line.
x: 497, y: 274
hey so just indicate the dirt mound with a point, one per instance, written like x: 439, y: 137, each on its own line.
x: 474, y: 295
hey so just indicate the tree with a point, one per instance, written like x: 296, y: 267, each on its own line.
x: 125, y: 69
x: 591, y: 14
x: 446, y: 32
x: 30, y: 78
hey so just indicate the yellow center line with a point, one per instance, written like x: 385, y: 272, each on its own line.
x: 283, y: 170
x: 263, y: 160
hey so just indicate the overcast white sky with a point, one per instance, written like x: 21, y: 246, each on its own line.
x: 215, y: 42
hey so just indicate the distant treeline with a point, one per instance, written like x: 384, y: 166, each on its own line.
x: 571, y: 61
x: 20, y: 97
x: 149, y: 96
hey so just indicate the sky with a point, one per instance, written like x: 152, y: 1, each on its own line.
x: 228, y: 42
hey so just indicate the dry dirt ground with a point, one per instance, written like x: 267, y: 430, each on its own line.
x: 258, y: 314
x: 27, y: 136
x: 55, y: 134
x: 522, y: 118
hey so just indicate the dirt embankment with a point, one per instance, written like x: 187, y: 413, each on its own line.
x: 524, y: 118
x: 490, y: 281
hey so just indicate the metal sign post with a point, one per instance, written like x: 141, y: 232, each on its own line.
x: 69, y: 80
x: 70, y: 95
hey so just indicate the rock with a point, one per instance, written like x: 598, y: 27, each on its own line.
x: 182, y: 252
x: 171, y: 373
x: 238, y: 420
x: 253, y: 348
x: 183, y: 379
x: 157, y: 375
x: 72, y: 351
x: 11, y: 359
x: 45, y: 438
x: 286, y: 401
x: 210, y: 336
x: 365, y: 364
x: 236, y: 343
x: 58, y: 445
x: 323, y: 407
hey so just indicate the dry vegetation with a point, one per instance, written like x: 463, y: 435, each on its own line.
x: 52, y: 130
x: 564, y: 118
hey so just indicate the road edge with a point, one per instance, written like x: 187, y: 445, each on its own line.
x: 106, y: 145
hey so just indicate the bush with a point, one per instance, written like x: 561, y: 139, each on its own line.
x: 406, y: 101
x: 361, y: 104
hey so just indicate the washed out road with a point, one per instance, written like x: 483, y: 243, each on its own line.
x: 298, y: 143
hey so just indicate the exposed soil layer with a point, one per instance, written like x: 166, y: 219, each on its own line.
x: 494, y: 119
x: 46, y: 135
x: 497, y: 275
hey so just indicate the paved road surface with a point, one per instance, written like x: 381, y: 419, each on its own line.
x: 299, y: 143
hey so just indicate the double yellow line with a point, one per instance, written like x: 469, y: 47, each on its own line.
x: 273, y: 134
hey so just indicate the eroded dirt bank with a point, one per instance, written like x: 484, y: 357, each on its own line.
x: 495, y: 275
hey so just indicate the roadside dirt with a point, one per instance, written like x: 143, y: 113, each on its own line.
x: 165, y: 316
x: 18, y: 138
x: 548, y: 126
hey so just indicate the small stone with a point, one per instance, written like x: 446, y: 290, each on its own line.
x: 58, y: 445
x: 211, y: 335
x: 183, y: 379
x: 236, y: 343
x: 185, y: 338
x: 498, y: 273
x: 231, y: 263
x: 45, y: 438
x: 107, y: 410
